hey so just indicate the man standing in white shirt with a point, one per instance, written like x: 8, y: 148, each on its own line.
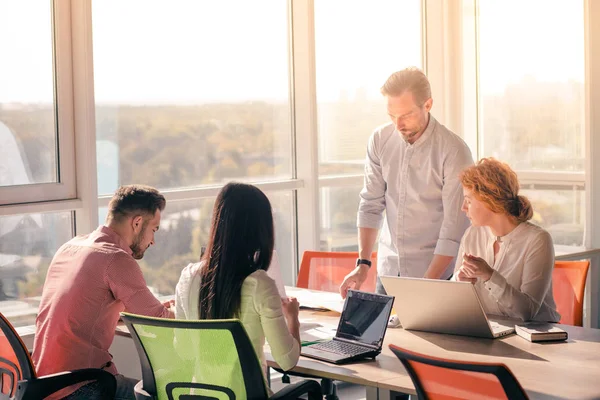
x: 412, y: 173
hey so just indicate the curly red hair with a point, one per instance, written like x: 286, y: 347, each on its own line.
x: 496, y: 184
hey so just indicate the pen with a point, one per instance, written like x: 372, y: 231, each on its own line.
x: 308, y: 343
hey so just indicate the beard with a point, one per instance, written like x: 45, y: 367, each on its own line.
x: 136, y: 246
x: 408, y: 135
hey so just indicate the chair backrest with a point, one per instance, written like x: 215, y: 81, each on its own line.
x: 440, y: 379
x: 15, y: 363
x: 198, y: 359
x: 568, y: 287
x: 323, y: 270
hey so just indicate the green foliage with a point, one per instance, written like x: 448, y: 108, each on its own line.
x: 183, y: 146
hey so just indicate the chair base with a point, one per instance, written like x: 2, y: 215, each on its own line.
x: 328, y: 387
x: 141, y: 394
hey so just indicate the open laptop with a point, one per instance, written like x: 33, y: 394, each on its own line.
x: 443, y: 306
x: 360, y: 331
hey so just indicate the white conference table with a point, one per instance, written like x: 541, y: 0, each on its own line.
x: 564, y: 370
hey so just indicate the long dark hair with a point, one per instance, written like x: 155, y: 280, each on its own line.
x: 241, y: 241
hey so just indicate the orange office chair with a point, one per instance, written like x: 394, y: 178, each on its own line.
x: 440, y: 379
x: 18, y: 379
x: 568, y: 286
x: 323, y: 270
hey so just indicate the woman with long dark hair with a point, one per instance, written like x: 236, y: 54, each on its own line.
x: 231, y: 279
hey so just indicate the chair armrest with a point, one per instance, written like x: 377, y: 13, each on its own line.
x: 298, y: 389
x: 140, y: 393
x: 44, y: 386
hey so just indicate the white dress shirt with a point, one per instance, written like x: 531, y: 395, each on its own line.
x: 261, y: 314
x: 521, y: 284
x: 418, y: 187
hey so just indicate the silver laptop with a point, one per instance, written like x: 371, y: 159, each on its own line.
x: 442, y: 306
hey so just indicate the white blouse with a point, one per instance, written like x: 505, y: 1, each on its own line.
x: 521, y: 284
x: 261, y: 314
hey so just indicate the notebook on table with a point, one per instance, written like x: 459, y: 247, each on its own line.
x: 360, y: 330
x: 540, y: 332
x: 442, y: 306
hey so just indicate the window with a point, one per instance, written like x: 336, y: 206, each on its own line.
x: 27, y: 135
x: 199, y: 99
x: 185, y: 108
x: 531, y: 105
x: 27, y: 244
x: 29, y: 126
x: 339, y: 206
x: 184, y: 230
x: 357, y: 48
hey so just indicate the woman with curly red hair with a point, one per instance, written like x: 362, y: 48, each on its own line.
x: 507, y: 258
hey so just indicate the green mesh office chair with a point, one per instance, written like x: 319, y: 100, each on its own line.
x: 209, y: 359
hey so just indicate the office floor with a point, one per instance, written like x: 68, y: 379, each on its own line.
x: 346, y: 391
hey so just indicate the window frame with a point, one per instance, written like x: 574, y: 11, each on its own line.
x: 65, y: 188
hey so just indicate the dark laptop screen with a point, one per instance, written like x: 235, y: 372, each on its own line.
x: 365, y: 317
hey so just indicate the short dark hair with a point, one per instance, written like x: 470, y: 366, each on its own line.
x: 130, y: 200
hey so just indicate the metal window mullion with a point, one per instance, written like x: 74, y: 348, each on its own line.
x: 212, y: 191
x: 41, y: 207
x: 63, y: 81
x: 84, y: 115
x: 65, y: 187
x: 305, y: 124
x: 592, y: 156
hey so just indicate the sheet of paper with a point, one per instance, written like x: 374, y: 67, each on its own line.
x: 316, y: 299
x: 274, y: 273
x: 311, y: 332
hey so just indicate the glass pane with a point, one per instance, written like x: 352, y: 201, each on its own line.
x: 357, y: 48
x: 531, y: 77
x: 198, y: 99
x: 27, y: 244
x: 339, y: 206
x: 561, y: 213
x: 184, y: 230
x: 27, y: 115
x: 532, y: 103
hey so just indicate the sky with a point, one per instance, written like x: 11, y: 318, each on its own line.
x: 198, y: 51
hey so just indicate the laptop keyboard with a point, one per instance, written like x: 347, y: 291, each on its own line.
x: 340, y: 347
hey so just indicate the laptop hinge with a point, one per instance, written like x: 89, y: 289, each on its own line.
x: 356, y: 342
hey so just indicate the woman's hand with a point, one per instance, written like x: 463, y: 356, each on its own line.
x: 461, y: 276
x: 291, y: 308
x: 475, y: 267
